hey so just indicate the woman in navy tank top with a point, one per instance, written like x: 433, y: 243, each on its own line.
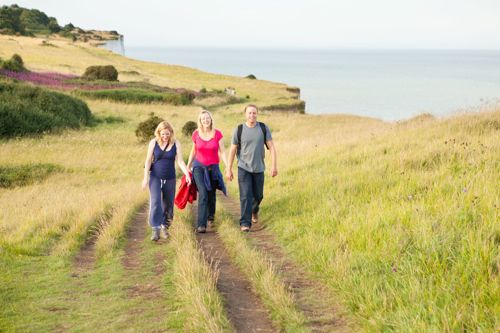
x: 159, y: 173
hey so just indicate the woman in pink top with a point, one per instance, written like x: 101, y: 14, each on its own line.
x: 204, y: 159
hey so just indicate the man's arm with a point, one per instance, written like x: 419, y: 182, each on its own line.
x: 274, y: 158
x: 230, y: 160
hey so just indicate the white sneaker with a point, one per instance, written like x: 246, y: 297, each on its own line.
x: 164, y: 232
x: 155, y: 236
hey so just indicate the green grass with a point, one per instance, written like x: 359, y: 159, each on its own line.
x: 52, y: 298
x: 22, y: 175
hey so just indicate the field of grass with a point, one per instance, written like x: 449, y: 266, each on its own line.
x: 400, y: 220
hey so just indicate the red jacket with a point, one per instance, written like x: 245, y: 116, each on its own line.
x: 186, y: 193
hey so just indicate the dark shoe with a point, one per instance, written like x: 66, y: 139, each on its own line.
x: 255, y: 218
x: 155, y: 236
x: 245, y: 228
x: 201, y: 230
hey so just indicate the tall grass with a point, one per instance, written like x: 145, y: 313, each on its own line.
x: 402, y: 220
x: 195, y: 282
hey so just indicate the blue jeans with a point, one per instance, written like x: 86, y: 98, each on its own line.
x: 161, y: 201
x: 251, y: 193
x: 206, y: 199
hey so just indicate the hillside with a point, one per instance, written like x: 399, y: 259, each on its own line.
x: 73, y: 58
x: 370, y: 226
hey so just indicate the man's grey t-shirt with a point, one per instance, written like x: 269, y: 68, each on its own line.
x: 252, y: 150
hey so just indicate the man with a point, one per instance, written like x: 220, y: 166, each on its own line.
x: 248, y: 141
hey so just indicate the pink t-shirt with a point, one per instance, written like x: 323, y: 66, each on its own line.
x: 207, y: 152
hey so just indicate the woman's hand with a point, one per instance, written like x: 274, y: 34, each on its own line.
x: 188, y: 179
x: 144, y: 183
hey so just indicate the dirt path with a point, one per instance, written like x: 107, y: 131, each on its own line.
x: 244, y: 309
x: 313, y: 299
x: 132, y: 261
x: 85, y: 259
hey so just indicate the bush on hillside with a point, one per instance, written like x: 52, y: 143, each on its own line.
x: 189, y: 127
x: 187, y: 96
x: 27, y: 110
x: 108, y: 73
x: 251, y: 77
x: 15, y: 64
x: 145, y: 130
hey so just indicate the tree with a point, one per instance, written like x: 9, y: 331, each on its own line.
x: 53, y: 25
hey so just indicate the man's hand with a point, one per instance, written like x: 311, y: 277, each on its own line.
x: 229, y: 174
x: 274, y: 172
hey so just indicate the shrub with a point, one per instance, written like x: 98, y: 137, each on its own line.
x: 27, y: 110
x: 251, y: 77
x: 145, y: 130
x: 187, y: 97
x: 108, y: 73
x: 189, y: 127
x: 17, y: 58
x: 203, y: 90
x: 15, y: 64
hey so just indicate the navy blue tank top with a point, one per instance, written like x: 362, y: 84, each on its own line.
x: 164, y: 168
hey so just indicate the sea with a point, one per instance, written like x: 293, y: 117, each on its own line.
x: 385, y: 84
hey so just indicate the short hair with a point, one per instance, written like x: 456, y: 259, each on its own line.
x: 200, y: 126
x: 164, y: 125
x: 251, y: 106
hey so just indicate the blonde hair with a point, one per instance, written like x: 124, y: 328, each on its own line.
x: 164, y: 125
x: 200, y: 126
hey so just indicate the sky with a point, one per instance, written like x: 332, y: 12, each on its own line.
x: 318, y: 24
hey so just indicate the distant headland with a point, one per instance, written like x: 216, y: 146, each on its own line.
x: 19, y: 21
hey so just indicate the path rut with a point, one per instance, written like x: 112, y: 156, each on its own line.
x: 244, y: 309
x: 323, y: 314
